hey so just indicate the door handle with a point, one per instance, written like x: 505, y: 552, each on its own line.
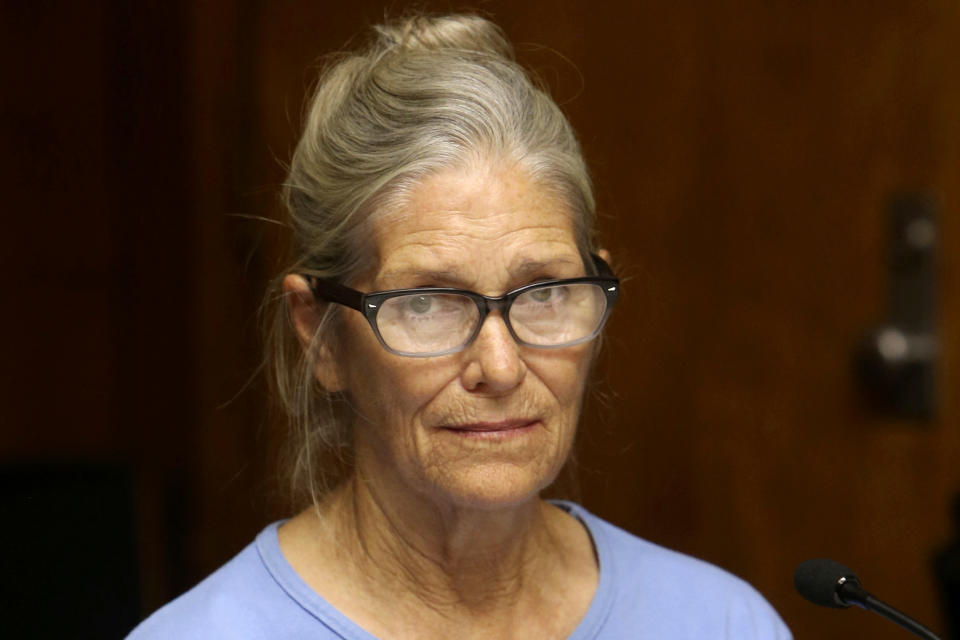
x: 896, y: 360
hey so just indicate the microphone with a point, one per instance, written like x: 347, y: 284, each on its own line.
x: 830, y: 584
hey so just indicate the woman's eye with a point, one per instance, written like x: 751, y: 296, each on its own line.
x: 420, y: 304
x: 542, y: 295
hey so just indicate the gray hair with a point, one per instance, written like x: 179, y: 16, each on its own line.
x: 427, y: 93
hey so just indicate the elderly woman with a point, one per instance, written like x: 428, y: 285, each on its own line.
x: 437, y: 329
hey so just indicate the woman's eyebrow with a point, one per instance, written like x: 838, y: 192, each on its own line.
x: 452, y: 276
x: 405, y: 274
x: 532, y: 268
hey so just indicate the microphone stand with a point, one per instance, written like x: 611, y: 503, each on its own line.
x: 850, y: 592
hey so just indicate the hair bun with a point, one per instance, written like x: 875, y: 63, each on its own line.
x: 463, y: 32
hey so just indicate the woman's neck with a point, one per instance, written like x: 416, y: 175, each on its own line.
x: 378, y: 558
x: 446, y: 556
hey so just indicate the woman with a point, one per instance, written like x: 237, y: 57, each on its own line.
x: 438, y: 325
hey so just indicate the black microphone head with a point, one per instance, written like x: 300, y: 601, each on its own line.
x: 817, y: 580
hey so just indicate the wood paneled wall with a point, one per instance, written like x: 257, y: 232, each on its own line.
x: 743, y: 155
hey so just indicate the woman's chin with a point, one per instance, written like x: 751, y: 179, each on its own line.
x: 491, y: 486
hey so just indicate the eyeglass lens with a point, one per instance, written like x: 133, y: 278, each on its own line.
x: 551, y: 316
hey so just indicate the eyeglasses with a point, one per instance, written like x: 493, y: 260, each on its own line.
x: 435, y: 321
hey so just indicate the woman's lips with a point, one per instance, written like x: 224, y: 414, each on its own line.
x: 499, y: 429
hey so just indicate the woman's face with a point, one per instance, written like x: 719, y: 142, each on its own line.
x: 491, y: 425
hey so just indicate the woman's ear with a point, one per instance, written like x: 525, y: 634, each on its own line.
x: 306, y: 321
x: 603, y: 253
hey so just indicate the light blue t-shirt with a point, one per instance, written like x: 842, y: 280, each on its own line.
x: 645, y: 592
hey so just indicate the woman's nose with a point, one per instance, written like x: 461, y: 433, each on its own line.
x: 493, y: 360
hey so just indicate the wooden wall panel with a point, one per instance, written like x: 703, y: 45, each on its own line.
x: 54, y: 246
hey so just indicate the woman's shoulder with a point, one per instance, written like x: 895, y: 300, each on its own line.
x: 241, y: 599
x: 687, y: 597
x: 218, y: 603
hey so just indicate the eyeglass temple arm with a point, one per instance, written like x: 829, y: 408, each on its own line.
x: 603, y: 269
x: 334, y: 292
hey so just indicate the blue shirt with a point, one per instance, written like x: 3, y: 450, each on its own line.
x: 644, y: 592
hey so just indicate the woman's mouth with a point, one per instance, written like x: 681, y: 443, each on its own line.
x: 493, y: 430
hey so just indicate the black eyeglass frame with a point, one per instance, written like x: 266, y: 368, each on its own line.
x: 369, y: 304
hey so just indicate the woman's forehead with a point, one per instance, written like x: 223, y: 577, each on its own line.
x: 507, y: 230
x: 471, y: 262
x: 465, y: 209
x: 454, y: 230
